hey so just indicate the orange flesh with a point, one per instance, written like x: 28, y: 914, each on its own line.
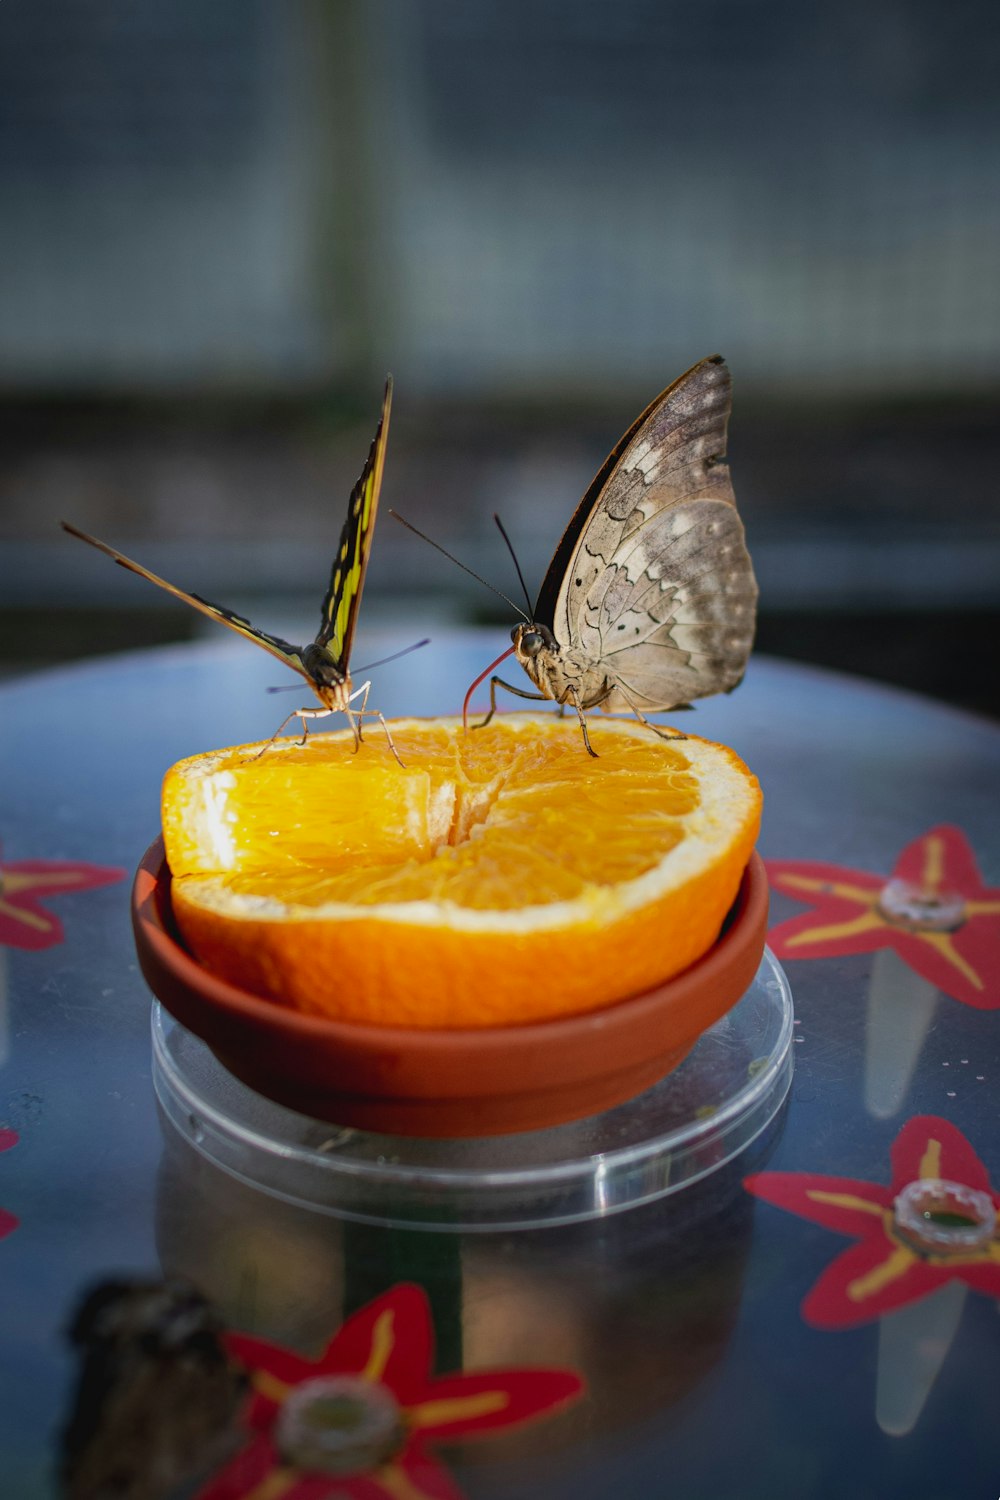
x: 462, y: 823
x: 500, y: 825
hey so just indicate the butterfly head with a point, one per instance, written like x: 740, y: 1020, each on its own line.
x: 531, y: 640
x: 331, y: 683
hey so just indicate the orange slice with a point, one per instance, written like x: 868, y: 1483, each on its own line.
x: 496, y: 877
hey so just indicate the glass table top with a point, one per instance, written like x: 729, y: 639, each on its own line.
x: 775, y: 1326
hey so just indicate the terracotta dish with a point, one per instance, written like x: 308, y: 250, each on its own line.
x: 447, y: 1083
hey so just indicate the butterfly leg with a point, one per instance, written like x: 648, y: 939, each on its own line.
x: 663, y: 734
x: 357, y: 714
x: 389, y: 739
x: 302, y: 714
x: 571, y: 697
x: 496, y: 682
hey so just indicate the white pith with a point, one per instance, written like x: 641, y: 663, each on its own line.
x: 729, y: 802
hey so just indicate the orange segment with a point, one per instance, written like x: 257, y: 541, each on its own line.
x: 496, y: 877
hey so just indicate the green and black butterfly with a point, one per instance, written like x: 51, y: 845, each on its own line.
x: 325, y: 661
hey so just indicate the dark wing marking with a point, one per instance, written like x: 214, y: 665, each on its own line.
x: 290, y: 655
x: 347, y: 579
x: 674, y: 451
x: 545, y: 605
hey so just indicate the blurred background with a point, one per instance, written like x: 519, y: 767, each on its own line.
x: 221, y: 224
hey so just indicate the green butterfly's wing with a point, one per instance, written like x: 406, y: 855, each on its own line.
x: 290, y: 655
x: 347, y: 579
x: 326, y: 660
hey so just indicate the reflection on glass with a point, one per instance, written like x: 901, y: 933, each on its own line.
x: 901, y: 1005
x: 912, y: 1344
x: 4, y: 1012
x: 641, y: 1304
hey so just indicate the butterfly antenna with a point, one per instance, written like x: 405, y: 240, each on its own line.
x: 464, y: 567
x: 370, y: 667
x: 517, y: 565
x: 293, y: 687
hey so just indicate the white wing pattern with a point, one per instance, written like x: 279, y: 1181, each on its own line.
x: 659, y: 589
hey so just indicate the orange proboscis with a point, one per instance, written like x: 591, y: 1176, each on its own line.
x: 482, y: 678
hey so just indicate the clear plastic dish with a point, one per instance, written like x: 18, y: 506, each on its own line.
x: 701, y: 1116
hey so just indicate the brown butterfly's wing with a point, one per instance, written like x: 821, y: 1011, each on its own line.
x: 653, y: 578
x: 290, y: 655
x: 347, y: 579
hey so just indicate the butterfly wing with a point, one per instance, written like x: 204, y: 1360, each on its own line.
x: 290, y: 655
x: 652, y: 578
x: 347, y: 579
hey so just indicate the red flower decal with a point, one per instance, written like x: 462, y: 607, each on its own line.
x: 24, y: 921
x: 935, y: 1222
x: 934, y: 910
x: 8, y: 1223
x: 356, y: 1422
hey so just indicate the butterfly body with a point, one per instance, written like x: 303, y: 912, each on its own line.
x: 331, y: 686
x: 650, y: 599
x: 325, y: 661
x: 561, y: 673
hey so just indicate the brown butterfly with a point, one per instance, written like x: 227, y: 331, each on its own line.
x: 650, y: 599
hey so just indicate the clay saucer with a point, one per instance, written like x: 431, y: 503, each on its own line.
x: 448, y: 1083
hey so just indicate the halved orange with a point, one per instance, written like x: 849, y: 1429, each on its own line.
x: 496, y: 877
